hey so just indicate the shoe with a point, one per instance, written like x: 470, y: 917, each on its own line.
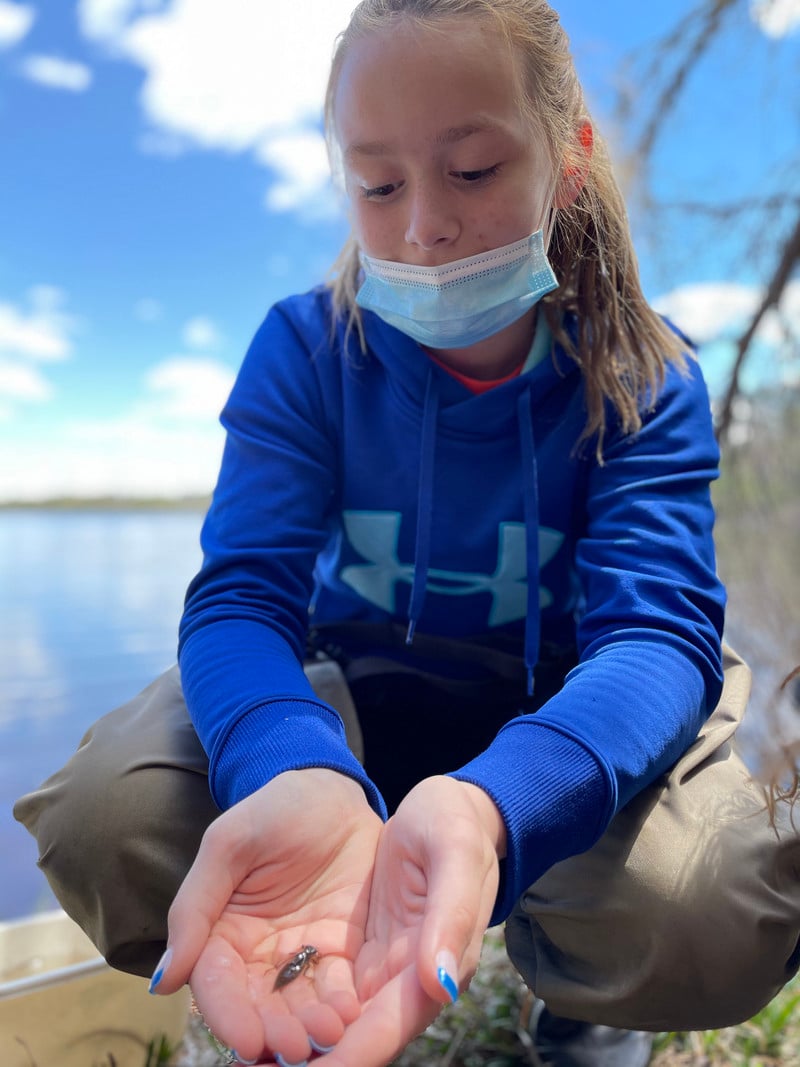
x: 568, y: 1043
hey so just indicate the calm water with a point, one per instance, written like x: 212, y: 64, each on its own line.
x: 89, y: 608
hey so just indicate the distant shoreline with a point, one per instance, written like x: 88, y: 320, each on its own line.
x: 109, y: 503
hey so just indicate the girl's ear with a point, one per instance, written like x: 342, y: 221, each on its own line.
x: 573, y: 176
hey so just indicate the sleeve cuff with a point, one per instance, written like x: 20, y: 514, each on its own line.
x: 556, y: 799
x: 284, y: 735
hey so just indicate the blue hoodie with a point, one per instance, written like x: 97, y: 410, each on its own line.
x: 377, y: 487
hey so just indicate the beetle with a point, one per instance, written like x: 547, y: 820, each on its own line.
x: 298, y: 964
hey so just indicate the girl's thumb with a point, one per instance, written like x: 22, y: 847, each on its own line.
x: 162, y: 967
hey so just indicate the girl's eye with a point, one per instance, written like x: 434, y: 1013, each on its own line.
x: 378, y: 192
x: 478, y: 175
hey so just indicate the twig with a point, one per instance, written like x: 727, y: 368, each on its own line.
x: 710, y: 20
x: 454, y: 1045
x: 24, y: 1044
x: 790, y: 257
x: 724, y: 212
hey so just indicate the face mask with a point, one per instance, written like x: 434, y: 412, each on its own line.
x: 463, y: 302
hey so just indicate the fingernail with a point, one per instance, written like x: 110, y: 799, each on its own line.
x: 281, y: 1062
x: 447, y: 972
x: 160, y: 971
x: 321, y: 1049
x: 242, y: 1060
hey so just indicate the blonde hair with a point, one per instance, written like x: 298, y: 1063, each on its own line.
x: 622, y: 345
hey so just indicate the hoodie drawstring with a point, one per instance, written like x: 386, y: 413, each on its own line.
x: 422, y: 549
x: 530, y: 487
x: 530, y: 492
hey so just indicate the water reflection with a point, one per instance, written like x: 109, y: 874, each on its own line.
x: 90, y: 608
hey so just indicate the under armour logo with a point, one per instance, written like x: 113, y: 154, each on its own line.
x: 374, y: 535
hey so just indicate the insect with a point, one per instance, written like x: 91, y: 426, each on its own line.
x: 298, y: 964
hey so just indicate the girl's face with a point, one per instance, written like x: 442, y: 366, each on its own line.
x: 439, y: 159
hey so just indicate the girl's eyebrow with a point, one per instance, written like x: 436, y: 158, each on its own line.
x: 366, y: 148
x: 452, y: 135
x: 460, y: 133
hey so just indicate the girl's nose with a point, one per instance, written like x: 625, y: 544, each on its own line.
x: 432, y: 219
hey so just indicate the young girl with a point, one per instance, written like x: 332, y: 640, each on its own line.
x: 474, y: 472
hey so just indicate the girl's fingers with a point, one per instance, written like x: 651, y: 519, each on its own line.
x: 323, y: 1025
x: 457, y: 910
x: 205, y: 891
x: 461, y: 870
x: 222, y: 989
x: 387, y: 1023
x: 335, y: 987
x: 242, y: 1008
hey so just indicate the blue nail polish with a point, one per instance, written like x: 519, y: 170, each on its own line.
x: 448, y: 984
x: 160, y: 971
x: 242, y: 1060
x: 281, y: 1062
x: 321, y: 1049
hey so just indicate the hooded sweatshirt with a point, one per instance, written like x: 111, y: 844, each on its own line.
x: 377, y: 487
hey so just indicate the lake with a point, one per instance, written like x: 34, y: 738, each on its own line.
x: 89, y: 610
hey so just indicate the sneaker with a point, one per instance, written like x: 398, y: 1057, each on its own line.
x: 568, y: 1043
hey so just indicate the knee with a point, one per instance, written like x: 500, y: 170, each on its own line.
x: 680, y: 974
x: 116, y: 809
x: 670, y: 942
x: 715, y: 962
x: 78, y: 809
x: 724, y: 921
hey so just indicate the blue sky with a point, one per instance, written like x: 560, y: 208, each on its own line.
x: 163, y: 181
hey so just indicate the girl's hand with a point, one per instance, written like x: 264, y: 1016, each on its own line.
x: 287, y: 867
x: 433, y: 890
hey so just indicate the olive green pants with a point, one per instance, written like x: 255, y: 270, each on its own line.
x: 685, y: 915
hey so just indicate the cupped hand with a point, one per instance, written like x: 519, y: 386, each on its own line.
x: 433, y: 890
x: 289, y: 866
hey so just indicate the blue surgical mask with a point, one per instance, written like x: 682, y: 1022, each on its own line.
x: 463, y: 302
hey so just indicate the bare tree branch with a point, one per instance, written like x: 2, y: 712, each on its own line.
x: 734, y: 209
x: 710, y: 16
x: 673, y: 59
x: 790, y: 258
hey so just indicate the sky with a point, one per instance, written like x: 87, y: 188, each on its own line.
x: 163, y: 180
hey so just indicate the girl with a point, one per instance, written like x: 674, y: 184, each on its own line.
x: 476, y: 467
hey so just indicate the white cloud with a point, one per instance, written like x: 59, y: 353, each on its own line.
x: 103, y: 20
x: 249, y: 79
x: 715, y: 314
x: 710, y: 311
x: 707, y: 310
x: 166, y: 445
x: 15, y: 22
x: 200, y: 332
x: 19, y: 381
x: 776, y: 18
x: 41, y: 333
x: 300, y: 162
x: 186, y: 387
x: 130, y: 456
x: 56, y: 73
